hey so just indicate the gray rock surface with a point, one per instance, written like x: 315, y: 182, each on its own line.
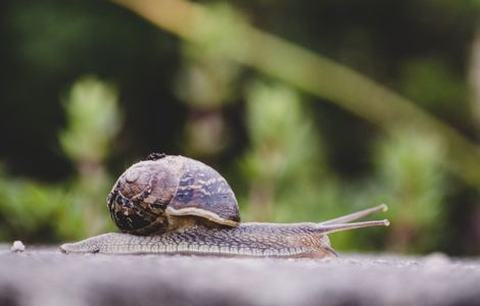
x: 48, y: 277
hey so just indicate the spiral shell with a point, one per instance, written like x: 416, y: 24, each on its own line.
x: 153, y: 194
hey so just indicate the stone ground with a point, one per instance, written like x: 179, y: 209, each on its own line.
x: 48, y: 277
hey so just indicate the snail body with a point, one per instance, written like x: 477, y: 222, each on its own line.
x: 176, y: 205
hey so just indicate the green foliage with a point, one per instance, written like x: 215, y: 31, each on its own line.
x: 411, y: 173
x: 410, y: 177
x: 37, y: 212
x: 93, y: 120
x: 422, y: 80
x: 284, y: 166
x: 213, y: 37
x: 282, y: 137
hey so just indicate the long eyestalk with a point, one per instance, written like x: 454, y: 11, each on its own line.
x: 357, y: 215
x: 340, y: 227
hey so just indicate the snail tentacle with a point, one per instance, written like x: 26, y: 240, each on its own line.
x: 357, y: 215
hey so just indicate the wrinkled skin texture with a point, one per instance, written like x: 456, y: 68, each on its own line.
x: 248, y: 239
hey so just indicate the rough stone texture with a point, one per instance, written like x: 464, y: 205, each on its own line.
x: 48, y: 277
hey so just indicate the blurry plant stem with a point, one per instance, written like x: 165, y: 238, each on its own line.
x: 261, y: 201
x: 205, y: 132
x: 403, y: 231
x: 200, y: 88
x: 474, y: 77
x: 91, y: 180
x: 401, y: 236
x: 310, y: 72
x: 93, y: 122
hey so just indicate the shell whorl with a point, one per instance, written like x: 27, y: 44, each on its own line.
x: 150, y: 192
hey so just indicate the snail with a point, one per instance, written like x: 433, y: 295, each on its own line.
x: 176, y: 205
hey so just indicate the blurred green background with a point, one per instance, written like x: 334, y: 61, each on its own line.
x: 287, y: 99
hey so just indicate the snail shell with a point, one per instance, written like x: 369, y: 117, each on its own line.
x: 186, y: 207
x: 150, y: 196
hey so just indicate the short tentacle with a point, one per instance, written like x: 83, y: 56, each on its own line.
x: 155, y: 156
